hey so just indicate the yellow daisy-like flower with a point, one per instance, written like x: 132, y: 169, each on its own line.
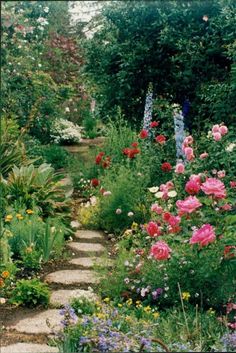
x: 147, y: 309
x: 186, y: 296
x: 128, y: 232
x: 5, y: 274
x: 134, y: 226
x: 101, y: 315
x: 129, y: 302
x: 119, y: 305
x: 8, y: 218
x: 19, y: 216
x: 156, y: 315
x: 29, y: 211
x: 106, y: 300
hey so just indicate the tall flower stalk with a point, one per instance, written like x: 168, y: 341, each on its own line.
x: 148, y: 109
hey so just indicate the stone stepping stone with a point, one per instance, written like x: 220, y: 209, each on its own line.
x: 89, y: 262
x: 37, y: 324
x: 89, y: 235
x: 28, y: 348
x: 67, y: 277
x: 89, y: 248
x: 63, y: 297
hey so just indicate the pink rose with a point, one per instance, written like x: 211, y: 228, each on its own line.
x: 170, y: 185
x: 204, y: 155
x: 152, y: 229
x: 188, y: 151
x: 215, y: 128
x: 192, y: 187
x: 180, y: 168
x: 223, y: 130
x: 189, y: 205
x: 196, y: 178
x: 232, y: 184
x: 188, y: 140
x: 156, y: 208
x: 215, y: 187
x: 203, y: 236
x: 221, y: 174
x: 174, y: 220
x: 160, y: 251
x: 226, y: 207
x: 217, y: 136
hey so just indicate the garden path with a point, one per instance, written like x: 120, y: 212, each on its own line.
x: 76, y: 281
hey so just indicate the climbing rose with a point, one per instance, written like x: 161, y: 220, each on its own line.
x: 152, y: 229
x: 154, y: 124
x: 179, y: 169
x: 223, y: 130
x: 143, y: 134
x: 215, y: 187
x: 217, y: 136
x: 189, y: 205
x: 166, y: 167
x: 204, y: 155
x: 95, y: 182
x: 188, y: 140
x: 160, y: 251
x: 161, y: 139
x: 215, y: 128
x: 156, y: 208
x: 188, y: 151
x: 232, y: 184
x: 192, y: 187
x: 203, y: 236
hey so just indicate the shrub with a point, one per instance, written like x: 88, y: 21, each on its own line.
x: 57, y: 156
x: 30, y: 293
x: 90, y: 126
x: 65, y: 132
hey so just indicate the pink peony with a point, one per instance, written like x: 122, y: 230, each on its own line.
x: 204, y: 155
x: 192, y: 187
x: 152, y: 229
x: 215, y: 128
x: 196, y: 178
x: 223, y: 130
x: 174, y: 221
x: 215, y: 187
x: 156, y: 208
x: 217, y: 136
x: 203, y: 236
x: 189, y: 205
x: 179, y: 169
x: 160, y: 251
x: 188, y: 151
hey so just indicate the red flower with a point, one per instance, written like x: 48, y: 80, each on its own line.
x: 154, y: 124
x: 134, y: 144
x: 95, y: 182
x: 166, y: 216
x: 107, y: 162
x: 192, y: 187
x: 143, y: 134
x: 126, y: 151
x: 161, y: 139
x: 166, y: 167
x: 233, y: 184
x: 229, y: 251
x: 98, y: 158
x: 133, y: 152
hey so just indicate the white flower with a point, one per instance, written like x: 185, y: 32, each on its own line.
x: 126, y: 280
x: 74, y: 224
x: 230, y: 147
x: 39, y: 65
x: 2, y: 300
x: 153, y: 189
x: 118, y: 211
x: 205, y: 18
x: 65, y: 131
x: 42, y: 21
x: 172, y: 193
x: 67, y: 109
x: 93, y: 200
x: 46, y: 9
x: 106, y: 193
x: 130, y: 214
x: 159, y: 195
x: 126, y: 263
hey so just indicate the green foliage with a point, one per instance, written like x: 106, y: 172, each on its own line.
x: 83, y: 306
x: 30, y: 293
x: 90, y: 126
x: 178, y: 46
x: 11, y: 155
x: 57, y: 156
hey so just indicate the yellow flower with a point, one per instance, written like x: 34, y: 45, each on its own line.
x: 19, y: 216
x: 29, y: 211
x: 8, y: 218
x: 106, y: 300
x: 2, y: 284
x: 138, y: 304
x: 128, y: 232
x: 134, y: 226
x: 28, y: 250
x: 147, y: 309
x: 101, y: 315
x: 211, y: 311
x: 156, y: 315
x: 120, y: 305
x: 186, y: 296
x: 129, y: 302
x: 5, y: 274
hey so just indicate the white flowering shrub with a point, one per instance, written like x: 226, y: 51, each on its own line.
x: 65, y: 132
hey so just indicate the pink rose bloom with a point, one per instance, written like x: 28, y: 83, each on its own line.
x: 160, y: 251
x: 192, y: 187
x: 180, y: 168
x: 189, y: 205
x: 203, y: 236
x: 215, y: 187
x: 196, y: 178
x: 215, y: 128
x: 156, y: 208
x: 221, y: 174
x: 232, y: 184
x: 204, y: 155
x: 226, y: 207
x: 174, y: 220
x: 188, y: 151
x: 188, y: 140
x: 152, y: 229
x: 217, y: 136
x: 223, y: 130
x: 170, y: 185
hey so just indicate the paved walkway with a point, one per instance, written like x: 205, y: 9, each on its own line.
x: 77, y: 282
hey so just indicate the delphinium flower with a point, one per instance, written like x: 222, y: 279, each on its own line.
x: 70, y: 317
x: 148, y: 108
x: 229, y: 341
